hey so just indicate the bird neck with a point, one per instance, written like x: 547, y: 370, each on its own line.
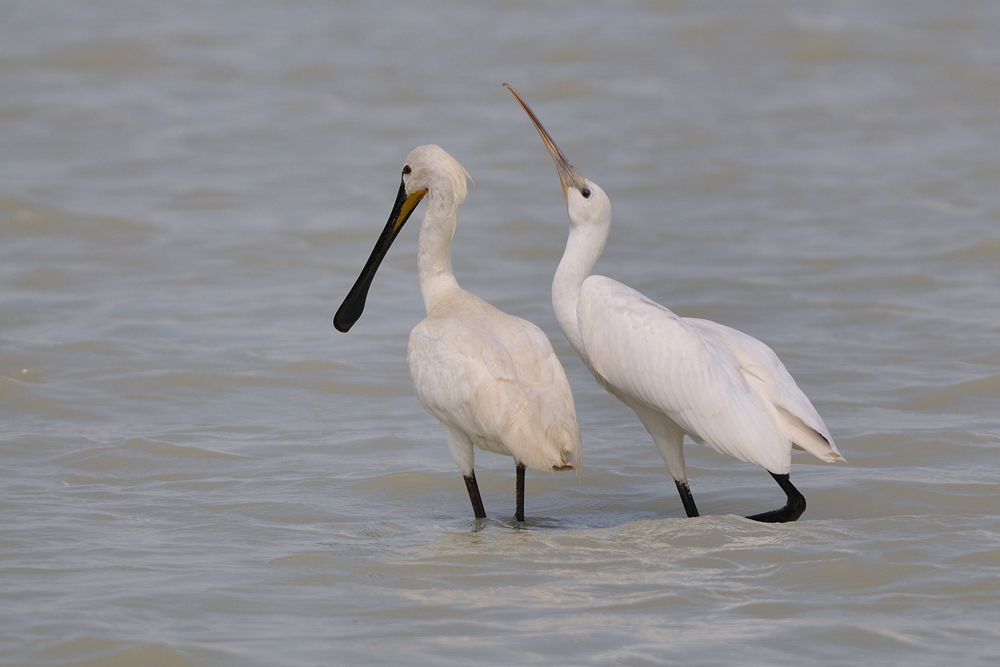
x: 583, y: 248
x: 434, y: 250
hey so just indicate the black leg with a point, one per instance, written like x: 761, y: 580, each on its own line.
x: 477, y: 500
x: 792, y: 510
x: 686, y: 497
x: 519, y: 493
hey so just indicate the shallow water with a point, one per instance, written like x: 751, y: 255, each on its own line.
x: 197, y: 469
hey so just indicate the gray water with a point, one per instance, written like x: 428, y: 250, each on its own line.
x: 197, y: 469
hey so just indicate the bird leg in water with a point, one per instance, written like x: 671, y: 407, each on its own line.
x: 686, y: 497
x: 792, y: 510
x: 477, y: 500
x: 519, y: 493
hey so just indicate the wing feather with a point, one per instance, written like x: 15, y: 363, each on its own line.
x: 651, y: 354
x: 496, y: 378
x: 793, y: 412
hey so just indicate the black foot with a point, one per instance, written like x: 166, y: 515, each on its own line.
x: 519, y: 493
x: 686, y: 497
x: 792, y: 510
x: 477, y: 500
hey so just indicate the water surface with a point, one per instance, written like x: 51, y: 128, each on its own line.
x: 197, y: 469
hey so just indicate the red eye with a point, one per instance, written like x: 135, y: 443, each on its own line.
x: 407, y: 169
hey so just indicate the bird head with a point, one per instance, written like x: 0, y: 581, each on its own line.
x: 428, y: 169
x: 586, y: 202
x: 431, y: 169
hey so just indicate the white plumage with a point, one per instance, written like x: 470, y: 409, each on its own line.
x: 494, y: 382
x: 492, y: 379
x: 719, y: 385
x: 680, y: 375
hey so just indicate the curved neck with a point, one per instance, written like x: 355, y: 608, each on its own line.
x: 583, y: 248
x: 434, y: 249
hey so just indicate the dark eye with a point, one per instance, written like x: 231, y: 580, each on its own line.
x: 586, y: 193
x: 407, y: 169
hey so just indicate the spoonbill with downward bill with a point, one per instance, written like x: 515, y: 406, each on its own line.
x: 680, y: 375
x: 492, y: 379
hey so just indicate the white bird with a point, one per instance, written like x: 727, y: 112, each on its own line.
x: 492, y: 379
x: 679, y: 374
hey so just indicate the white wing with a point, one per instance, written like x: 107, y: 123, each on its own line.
x: 690, y: 372
x: 793, y: 412
x: 495, y: 378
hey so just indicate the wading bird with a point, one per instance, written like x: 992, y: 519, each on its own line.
x: 679, y: 374
x: 492, y: 379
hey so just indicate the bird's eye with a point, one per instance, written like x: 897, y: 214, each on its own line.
x: 407, y: 169
x: 586, y: 193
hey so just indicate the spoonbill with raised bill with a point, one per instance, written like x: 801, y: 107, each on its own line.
x: 680, y: 375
